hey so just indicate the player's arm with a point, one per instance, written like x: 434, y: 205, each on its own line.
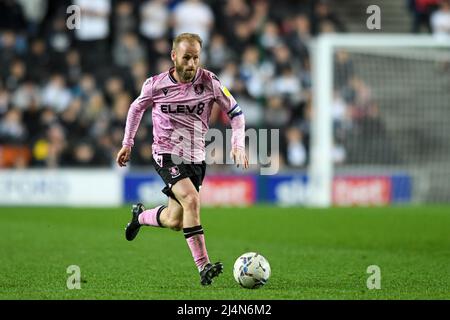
x: 234, y: 112
x: 134, y: 117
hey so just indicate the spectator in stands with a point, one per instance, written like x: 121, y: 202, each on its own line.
x: 251, y: 72
x: 11, y: 16
x: 158, y: 48
x: 26, y: 95
x: 34, y: 13
x: 254, y: 110
x: 94, y: 108
x: 299, y: 36
x: 243, y: 36
x: 288, y: 80
x: 440, y: 20
x: 339, y: 153
x: 163, y: 64
x: 94, y: 32
x: 49, y: 147
x: 17, y: 75
x: 324, y: 19
x: 105, y: 150
x: 59, y: 41
x: 84, y: 155
x: 421, y: 11
x: 288, y: 85
x: 219, y: 53
x: 5, y: 98
x: 193, y: 16
x: 139, y: 72
x: 55, y: 94
x: 280, y: 10
x: 270, y: 36
x: 343, y: 69
x: 341, y: 114
x: 124, y: 20
x: 120, y: 109
x: 86, y: 87
x: 295, y: 150
x: 154, y: 16
x: 12, y: 129
x: 10, y: 49
x: 99, y: 126
x: 361, y: 98
x: 276, y: 115
x: 235, y: 13
x: 144, y: 153
x: 54, y: 146
x: 128, y: 50
x: 38, y: 60
x: 113, y: 87
x: 304, y: 123
x: 72, y: 120
x: 229, y: 74
x: 72, y: 68
x: 260, y: 14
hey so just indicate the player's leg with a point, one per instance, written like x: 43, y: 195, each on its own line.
x: 189, y: 198
x: 151, y: 217
x: 170, y: 216
x: 161, y: 216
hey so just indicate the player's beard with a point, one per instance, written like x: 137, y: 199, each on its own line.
x: 184, y: 74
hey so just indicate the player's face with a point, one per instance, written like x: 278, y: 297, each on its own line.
x: 186, y: 59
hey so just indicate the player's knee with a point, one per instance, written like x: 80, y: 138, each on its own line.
x: 191, y: 202
x: 173, y: 219
x: 177, y: 227
x: 175, y: 224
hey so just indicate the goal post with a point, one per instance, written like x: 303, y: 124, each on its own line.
x: 381, y: 110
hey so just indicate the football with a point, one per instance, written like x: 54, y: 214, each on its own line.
x: 251, y: 270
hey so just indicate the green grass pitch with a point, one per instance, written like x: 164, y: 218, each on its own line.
x: 314, y: 254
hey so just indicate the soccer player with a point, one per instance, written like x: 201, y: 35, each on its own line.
x: 181, y: 100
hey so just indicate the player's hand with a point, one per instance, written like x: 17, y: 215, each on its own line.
x: 123, y: 156
x: 239, y: 157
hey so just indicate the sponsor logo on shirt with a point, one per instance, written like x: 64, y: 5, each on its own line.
x: 183, y: 108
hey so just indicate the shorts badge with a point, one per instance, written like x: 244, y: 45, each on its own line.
x: 174, y: 171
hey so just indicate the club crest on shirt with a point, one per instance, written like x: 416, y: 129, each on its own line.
x: 199, y: 88
x: 174, y: 171
x: 165, y: 90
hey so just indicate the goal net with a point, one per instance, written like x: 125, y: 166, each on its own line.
x: 381, y: 120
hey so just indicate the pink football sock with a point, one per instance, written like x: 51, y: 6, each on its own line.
x: 151, y: 217
x: 196, y: 242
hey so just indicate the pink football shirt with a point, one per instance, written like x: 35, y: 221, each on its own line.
x: 181, y: 112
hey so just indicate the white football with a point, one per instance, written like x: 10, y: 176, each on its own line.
x: 251, y: 270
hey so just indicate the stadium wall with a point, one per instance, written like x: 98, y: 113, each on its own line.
x: 60, y: 188
x: 113, y: 188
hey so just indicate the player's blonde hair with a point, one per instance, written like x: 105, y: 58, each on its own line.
x: 190, y: 37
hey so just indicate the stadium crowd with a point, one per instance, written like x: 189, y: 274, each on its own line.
x: 65, y: 93
x: 431, y: 15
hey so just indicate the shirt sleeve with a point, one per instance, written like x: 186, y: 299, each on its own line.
x: 229, y: 105
x: 136, y: 112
